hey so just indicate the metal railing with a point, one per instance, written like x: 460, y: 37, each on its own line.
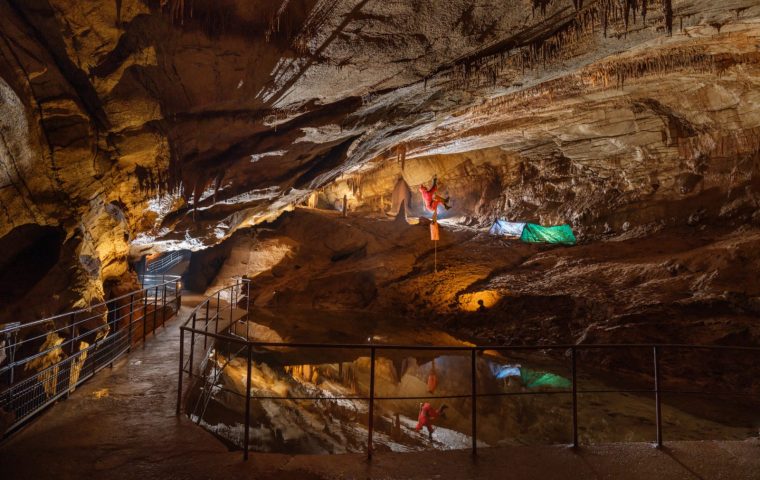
x: 200, y: 324
x: 152, y: 280
x: 45, y: 360
x: 164, y: 262
x: 215, y: 316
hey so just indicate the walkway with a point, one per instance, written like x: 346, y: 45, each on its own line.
x: 121, y: 425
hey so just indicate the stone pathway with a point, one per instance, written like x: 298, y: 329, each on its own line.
x: 122, y: 425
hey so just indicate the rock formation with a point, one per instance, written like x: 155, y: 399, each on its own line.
x: 139, y: 126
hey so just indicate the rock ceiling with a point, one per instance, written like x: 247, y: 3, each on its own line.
x: 149, y: 125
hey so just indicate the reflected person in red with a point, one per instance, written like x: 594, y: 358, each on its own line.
x: 428, y: 415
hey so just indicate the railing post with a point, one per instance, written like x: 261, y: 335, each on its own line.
x: 216, y: 324
x: 474, y: 397
x: 155, y: 308
x: 205, y: 327
x: 12, y: 358
x: 115, y: 329
x: 247, y: 308
x: 83, y: 364
x: 205, y: 331
x: 145, y: 316
x: 114, y: 314
x: 131, y: 319
x: 163, y: 308
x: 232, y: 302
x: 248, y: 295
x: 192, y: 347
x: 181, y: 358
x: 575, y: 396
x: 246, y: 434
x: 371, y: 423
x: 71, y: 334
x: 658, y: 406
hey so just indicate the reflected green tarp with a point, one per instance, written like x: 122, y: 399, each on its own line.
x: 535, y: 379
x: 533, y: 233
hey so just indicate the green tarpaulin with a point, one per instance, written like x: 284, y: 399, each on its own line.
x: 533, y: 233
x: 535, y: 379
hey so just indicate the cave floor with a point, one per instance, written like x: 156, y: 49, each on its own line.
x: 122, y: 424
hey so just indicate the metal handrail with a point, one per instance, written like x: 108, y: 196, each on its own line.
x: 150, y: 280
x: 74, y: 360
x: 190, y: 327
x: 15, y: 329
x: 165, y: 262
x: 216, y: 294
x: 171, y: 279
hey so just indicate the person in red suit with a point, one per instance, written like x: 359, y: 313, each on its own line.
x: 431, y: 199
x: 427, y: 416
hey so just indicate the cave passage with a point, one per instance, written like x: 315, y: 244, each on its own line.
x: 29, y: 252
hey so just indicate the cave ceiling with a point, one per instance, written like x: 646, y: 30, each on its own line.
x: 154, y: 125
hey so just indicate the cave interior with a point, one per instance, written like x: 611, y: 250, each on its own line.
x: 594, y: 165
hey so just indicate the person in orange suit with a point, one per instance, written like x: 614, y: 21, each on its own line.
x: 431, y: 199
x: 428, y: 416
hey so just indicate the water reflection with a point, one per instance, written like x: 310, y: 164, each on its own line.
x: 323, y: 408
x: 308, y: 400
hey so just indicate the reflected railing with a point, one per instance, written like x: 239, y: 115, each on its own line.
x: 222, y: 321
x: 45, y: 360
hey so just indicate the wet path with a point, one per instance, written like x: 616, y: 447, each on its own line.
x: 121, y: 425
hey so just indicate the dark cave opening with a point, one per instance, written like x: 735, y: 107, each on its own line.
x: 29, y: 252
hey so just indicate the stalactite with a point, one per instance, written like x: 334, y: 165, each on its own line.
x: 613, y: 73
x: 118, y: 13
x: 630, y: 8
x: 178, y: 11
x: 274, y: 21
x: 663, y: 63
x: 559, y: 45
x: 667, y: 10
x: 401, y: 155
x: 541, y: 5
x: 318, y: 17
x: 644, y: 11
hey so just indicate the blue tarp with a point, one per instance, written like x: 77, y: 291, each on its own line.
x: 505, y: 228
x: 504, y: 371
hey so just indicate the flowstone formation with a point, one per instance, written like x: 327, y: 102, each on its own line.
x: 141, y: 126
